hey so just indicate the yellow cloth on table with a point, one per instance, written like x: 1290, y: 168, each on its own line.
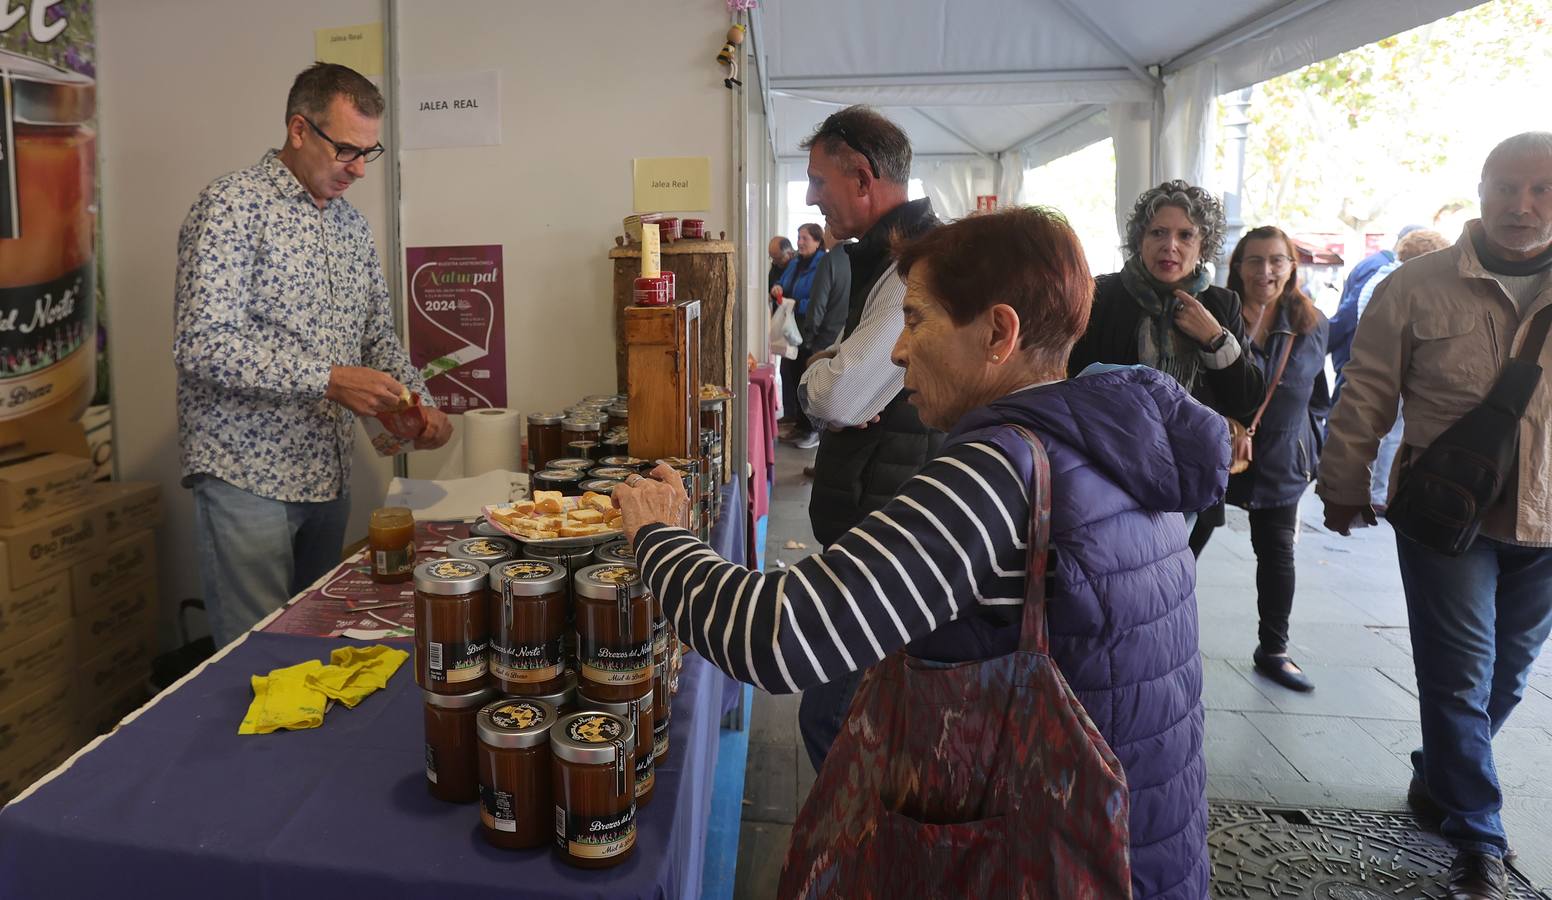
x: 356, y: 672
x: 296, y: 697
x: 284, y: 699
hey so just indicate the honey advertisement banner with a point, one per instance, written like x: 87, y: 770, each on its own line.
x: 53, y: 340
x: 457, y: 324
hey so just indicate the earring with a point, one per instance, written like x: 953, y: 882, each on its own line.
x: 995, y: 357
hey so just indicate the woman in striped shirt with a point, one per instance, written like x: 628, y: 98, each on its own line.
x: 993, y: 306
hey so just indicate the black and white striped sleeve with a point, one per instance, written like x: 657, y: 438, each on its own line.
x: 953, y: 538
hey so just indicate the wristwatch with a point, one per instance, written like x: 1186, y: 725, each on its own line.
x: 1216, y: 344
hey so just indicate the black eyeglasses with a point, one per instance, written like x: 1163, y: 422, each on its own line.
x: 841, y: 132
x: 347, y: 152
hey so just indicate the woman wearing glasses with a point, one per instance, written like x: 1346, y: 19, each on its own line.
x: 1287, y: 336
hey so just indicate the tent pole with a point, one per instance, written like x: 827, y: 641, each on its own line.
x: 1104, y: 37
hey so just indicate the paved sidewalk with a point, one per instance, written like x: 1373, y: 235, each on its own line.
x: 1344, y: 745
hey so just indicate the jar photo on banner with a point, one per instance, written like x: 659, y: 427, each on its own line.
x: 52, y: 340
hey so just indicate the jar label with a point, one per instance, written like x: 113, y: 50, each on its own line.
x: 455, y: 662
x: 42, y: 326
x: 646, y: 773
x: 527, y: 663
x: 497, y: 809
x: 453, y: 569
x: 528, y: 570
x: 394, y: 562
x: 431, y: 775
x: 659, y: 738
x: 595, y: 837
x: 485, y: 547
x: 10, y: 202
x: 612, y: 664
x: 660, y: 642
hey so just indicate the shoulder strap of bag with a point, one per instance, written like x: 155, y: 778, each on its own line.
x: 1536, y: 338
x: 1282, y: 366
x: 1034, y: 637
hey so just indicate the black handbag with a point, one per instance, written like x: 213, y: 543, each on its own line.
x: 1445, y: 493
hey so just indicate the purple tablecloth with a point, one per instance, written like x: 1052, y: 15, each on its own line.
x: 176, y: 804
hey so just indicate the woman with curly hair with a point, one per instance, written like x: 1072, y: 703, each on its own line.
x: 1161, y: 310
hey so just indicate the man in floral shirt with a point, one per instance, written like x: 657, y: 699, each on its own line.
x: 284, y: 334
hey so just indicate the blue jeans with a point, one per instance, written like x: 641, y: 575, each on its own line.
x: 256, y: 553
x: 822, y: 712
x: 1384, y: 458
x: 1478, y: 621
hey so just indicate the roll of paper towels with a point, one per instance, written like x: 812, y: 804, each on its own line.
x: 492, y: 439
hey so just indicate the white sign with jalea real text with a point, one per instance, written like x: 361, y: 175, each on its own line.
x: 459, y: 109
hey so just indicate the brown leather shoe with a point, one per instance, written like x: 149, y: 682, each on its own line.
x: 1478, y: 876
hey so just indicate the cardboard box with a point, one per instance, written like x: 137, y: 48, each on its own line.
x: 34, y: 662
x: 49, y: 708
x: 118, y: 666
x: 38, y: 757
x: 38, y: 486
x: 130, y: 612
x: 106, y: 716
x: 127, y: 506
x: 27, y: 611
x: 123, y: 563
x: 30, y: 553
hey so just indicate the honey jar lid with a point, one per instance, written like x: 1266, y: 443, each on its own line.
x: 603, y: 581
x: 599, y: 485
x: 581, y: 423
x: 514, y: 723
x: 605, y: 399
x: 582, y: 445
x: 618, y: 473
x: 451, y: 577
x: 42, y: 94
x: 545, y: 418
x: 628, y: 462
x: 460, y: 701
x: 618, y: 410
x: 565, y: 694
x: 559, y: 473
x: 572, y: 463
x: 683, y: 463
x: 485, y: 549
x: 620, y: 552
x: 590, y: 737
x: 528, y: 577
x: 621, y: 708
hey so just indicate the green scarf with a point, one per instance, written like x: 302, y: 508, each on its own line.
x: 1160, y: 344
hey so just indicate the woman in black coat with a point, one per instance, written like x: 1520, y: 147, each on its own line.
x: 1264, y: 270
x: 1161, y: 310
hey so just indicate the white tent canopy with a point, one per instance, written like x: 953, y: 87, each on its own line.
x: 985, y: 88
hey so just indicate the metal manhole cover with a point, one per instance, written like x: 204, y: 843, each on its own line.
x: 1328, y: 854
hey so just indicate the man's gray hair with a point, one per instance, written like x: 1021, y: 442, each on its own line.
x: 1201, y: 207
x: 864, y: 131
x: 1529, y: 143
x: 320, y: 83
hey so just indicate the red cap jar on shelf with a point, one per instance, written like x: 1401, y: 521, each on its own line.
x: 692, y: 228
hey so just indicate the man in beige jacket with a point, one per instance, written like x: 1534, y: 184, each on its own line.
x: 1436, y: 334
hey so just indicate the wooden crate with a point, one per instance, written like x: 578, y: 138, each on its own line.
x: 703, y: 270
x: 662, y: 363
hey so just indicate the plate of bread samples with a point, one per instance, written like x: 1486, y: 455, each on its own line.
x: 550, y: 518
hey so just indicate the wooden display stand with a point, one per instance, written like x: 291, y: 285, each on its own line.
x: 703, y: 270
x: 662, y: 348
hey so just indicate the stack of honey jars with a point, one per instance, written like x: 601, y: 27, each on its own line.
x: 546, y: 687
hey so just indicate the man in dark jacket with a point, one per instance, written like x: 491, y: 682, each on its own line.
x: 858, y: 165
x: 780, y: 251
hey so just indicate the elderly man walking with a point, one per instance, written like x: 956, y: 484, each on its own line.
x: 1438, y: 332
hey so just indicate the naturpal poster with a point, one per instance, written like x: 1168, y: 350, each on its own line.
x: 53, y: 334
x: 456, y: 324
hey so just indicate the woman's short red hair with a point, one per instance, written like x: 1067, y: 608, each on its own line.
x: 1026, y: 257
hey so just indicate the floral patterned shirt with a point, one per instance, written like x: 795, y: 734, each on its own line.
x: 271, y: 293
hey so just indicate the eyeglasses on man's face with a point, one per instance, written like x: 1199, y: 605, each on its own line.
x: 1276, y: 262
x: 347, y: 152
